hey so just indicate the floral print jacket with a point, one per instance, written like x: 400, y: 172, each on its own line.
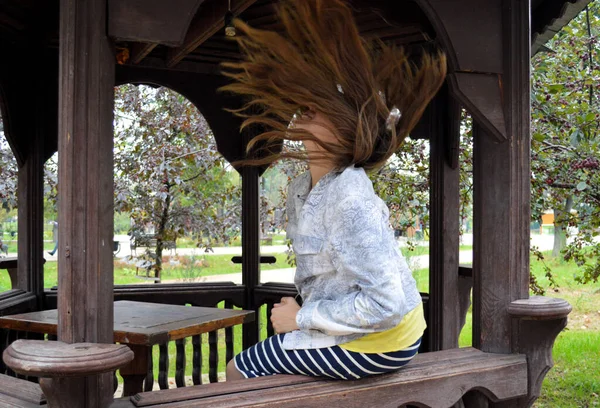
x: 349, y: 270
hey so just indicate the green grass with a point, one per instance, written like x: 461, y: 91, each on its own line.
x: 278, y: 239
x: 12, y: 245
x: 574, y: 379
x: 126, y: 274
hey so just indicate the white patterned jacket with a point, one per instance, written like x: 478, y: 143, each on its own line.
x: 349, y: 270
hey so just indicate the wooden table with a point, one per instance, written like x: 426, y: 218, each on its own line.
x: 141, y: 325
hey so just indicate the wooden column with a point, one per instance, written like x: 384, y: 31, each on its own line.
x: 444, y: 306
x: 31, y: 205
x: 85, y: 263
x: 250, y: 247
x: 502, y: 195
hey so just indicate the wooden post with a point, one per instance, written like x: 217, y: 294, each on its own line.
x: 502, y: 195
x: 31, y: 213
x: 85, y: 148
x: 444, y: 307
x: 250, y: 247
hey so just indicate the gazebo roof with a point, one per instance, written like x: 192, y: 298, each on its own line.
x: 550, y: 16
x: 180, y: 55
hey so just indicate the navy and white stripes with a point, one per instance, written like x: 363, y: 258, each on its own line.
x: 268, y: 357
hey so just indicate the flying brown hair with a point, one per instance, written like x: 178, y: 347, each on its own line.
x: 320, y: 62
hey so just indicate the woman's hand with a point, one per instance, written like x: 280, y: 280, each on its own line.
x: 283, y: 315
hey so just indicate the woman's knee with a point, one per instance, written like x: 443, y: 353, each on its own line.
x: 232, y: 372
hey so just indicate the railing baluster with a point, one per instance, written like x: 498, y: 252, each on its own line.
x: 12, y: 336
x: 180, y: 363
x: 149, y: 381
x: 213, y: 357
x: 3, y: 346
x: 163, y: 366
x: 228, y: 337
x: 197, y: 359
x: 270, y: 330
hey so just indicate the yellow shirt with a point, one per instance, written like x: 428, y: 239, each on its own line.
x: 404, y: 335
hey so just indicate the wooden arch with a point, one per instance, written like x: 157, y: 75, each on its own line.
x: 201, y: 91
x: 7, y: 114
x: 475, y: 66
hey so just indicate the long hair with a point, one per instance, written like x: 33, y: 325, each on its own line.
x: 373, y: 94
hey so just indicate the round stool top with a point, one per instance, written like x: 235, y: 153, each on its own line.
x: 540, y: 307
x: 57, y: 359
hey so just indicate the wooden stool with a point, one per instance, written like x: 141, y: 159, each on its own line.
x: 59, y: 365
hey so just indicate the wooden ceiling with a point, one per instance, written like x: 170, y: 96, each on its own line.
x: 206, y: 44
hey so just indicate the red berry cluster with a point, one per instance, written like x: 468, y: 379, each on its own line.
x: 589, y: 163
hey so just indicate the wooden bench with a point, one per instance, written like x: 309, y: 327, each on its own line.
x: 438, y: 379
x: 15, y: 392
x: 149, y: 241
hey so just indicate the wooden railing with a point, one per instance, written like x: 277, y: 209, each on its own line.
x: 6, y: 338
x: 220, y: 294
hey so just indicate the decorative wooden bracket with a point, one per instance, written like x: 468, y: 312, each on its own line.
x: 482, y: 95
x: 537, y: 322
x: 475, y: 66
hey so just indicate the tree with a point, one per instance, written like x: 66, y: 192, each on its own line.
x: 8, y: 173
x: 566, y: 140
x: 168, y: 173
x: 404, y: 182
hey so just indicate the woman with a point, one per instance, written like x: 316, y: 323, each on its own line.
x: 351, y: 105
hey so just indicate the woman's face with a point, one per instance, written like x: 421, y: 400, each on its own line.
x: 317, y: 124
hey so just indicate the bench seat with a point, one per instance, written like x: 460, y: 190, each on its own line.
x: 18, y: 393
x: 437, y: 379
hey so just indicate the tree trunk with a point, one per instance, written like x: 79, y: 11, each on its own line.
x: 162, y: 226
x: 560, y: 220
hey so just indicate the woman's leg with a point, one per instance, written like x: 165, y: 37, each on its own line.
x: 55, y: 249
x: 268, y: 358
x: 232, y: 372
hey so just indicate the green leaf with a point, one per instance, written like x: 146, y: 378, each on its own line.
x: 582, y: 186
x: 555, y: 88
x: 576, y: 137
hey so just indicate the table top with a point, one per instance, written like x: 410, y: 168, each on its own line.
x: 142, y: 323
x: 8, y: 262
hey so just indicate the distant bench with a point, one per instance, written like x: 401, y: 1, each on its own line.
x: 149, y: 241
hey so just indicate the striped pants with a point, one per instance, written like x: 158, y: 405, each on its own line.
x: 268, y: 358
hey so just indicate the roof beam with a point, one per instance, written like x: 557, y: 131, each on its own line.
x: 151, y: 21
x: 207, y: 23
x: 140, y: 51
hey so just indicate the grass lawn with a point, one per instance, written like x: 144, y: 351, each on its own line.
x: 278, y: 239
x: 185, y: 269
x: 12, y: 245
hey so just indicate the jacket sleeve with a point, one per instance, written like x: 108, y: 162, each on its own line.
x: 363, y: 250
